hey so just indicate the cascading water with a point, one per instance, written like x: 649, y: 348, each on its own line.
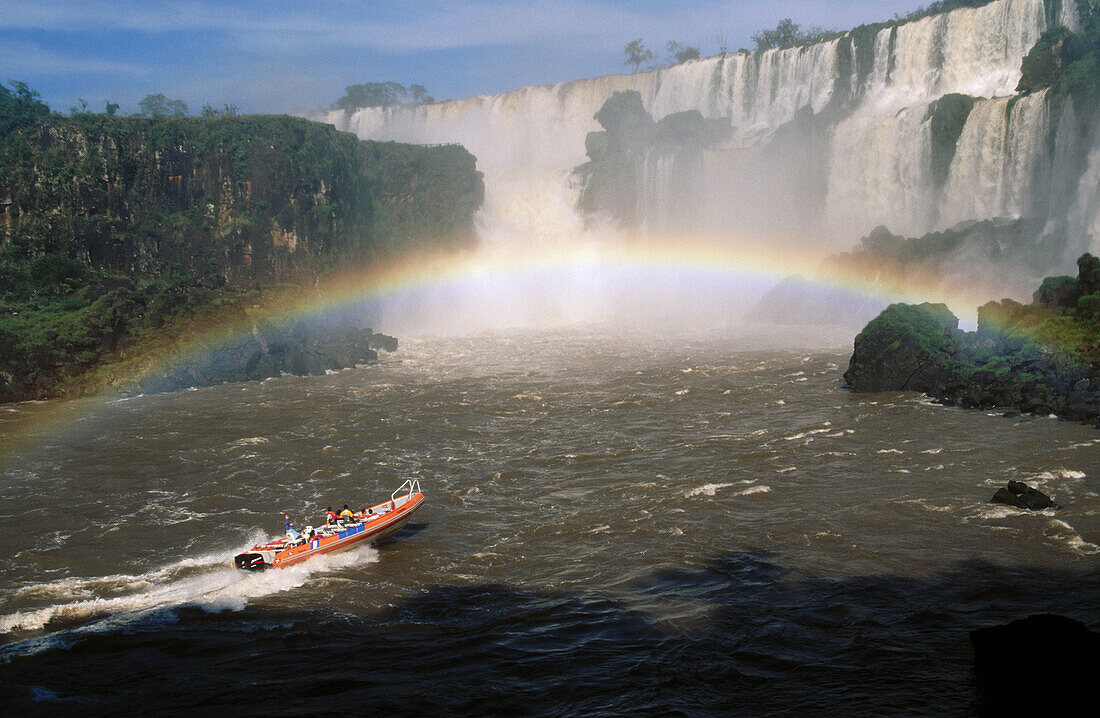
x: 870, y: 95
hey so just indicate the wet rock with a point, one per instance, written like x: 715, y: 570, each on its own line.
x: 268, y: 352
x: 905, y: 348
x: 1040, y: 665
x: 1022, y: 496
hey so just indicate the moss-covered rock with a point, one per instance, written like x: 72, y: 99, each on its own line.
x: 1042, y: 358
x: 905, y: 348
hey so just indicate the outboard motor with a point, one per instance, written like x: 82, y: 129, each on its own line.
x: 249, y: 561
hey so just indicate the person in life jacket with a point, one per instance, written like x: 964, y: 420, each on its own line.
x: 347, y: 514
x: 330, y: 516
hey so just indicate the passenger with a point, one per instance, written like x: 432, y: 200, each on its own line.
x: 290, y: 532
x: 347, y: 514
x: 330, y: 516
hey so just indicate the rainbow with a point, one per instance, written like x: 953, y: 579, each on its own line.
x: 412, y: 273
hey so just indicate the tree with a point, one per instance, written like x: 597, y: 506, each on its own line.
x: 20, y: 108
x: 209, y: 110
x: 786, y: 33
x: 160, y: 106
x: 637, y: 53
x: 789, y: 33
x: 723, y: 44
x: 382, y: 94
x: 679, y: 54
x: 81, y: 107
x: 110, y: 108
x: 420, y: 95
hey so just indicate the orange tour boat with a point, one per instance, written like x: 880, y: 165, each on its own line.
x: 367, y: 526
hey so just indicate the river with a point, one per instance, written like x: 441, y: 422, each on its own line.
x: 616, y: 523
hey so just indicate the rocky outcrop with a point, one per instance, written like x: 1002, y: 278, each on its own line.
x: 1022, y: 496
x: 1037, y: 358
x: 906, y: 348
x: 269, y: 351
x: 1040, y: 665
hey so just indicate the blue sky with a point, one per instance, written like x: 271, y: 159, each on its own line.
x: 297, y: 56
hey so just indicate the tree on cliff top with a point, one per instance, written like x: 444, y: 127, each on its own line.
x: 160, y: 106
x: 19, y: 107
x: 637, y: 53
x: 679, y: 54
x: 382, y: 94
x: 788, y: 33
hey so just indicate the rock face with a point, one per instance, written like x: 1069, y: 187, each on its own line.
x: 1022, y: 496
x: 267, y: 352
x: 905, y: 348
x: 1040, y: 665
x: 1040, y: 358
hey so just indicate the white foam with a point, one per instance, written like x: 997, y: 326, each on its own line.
x: 754, y: 490
x: 218, y: 586
x: 889, y: 451
x: 706, y: 490
x: 251, y: 441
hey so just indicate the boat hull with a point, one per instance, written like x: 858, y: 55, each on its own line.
x: 365, y: 532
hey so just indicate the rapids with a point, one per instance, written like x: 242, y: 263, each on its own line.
x: 697, y: 522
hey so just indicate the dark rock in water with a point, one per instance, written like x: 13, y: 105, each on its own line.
x: 905, y: 348
x: 1022, y: 496
x: 1002, y: 364
x: 269, y: 351
x: 1040, y: 665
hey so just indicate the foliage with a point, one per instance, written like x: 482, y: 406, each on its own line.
x: 123, y: 229
x: 1045, y: 61
x: 637, y: 54
x: 381, y: 94
x: 679, y: 54
x: 948, y: 116
x: 20, y: 107
x: 160, y: 106
x: 939, y: 7
x: 788, y: 33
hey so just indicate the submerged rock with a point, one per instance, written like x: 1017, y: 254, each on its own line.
x: 1022, y: 496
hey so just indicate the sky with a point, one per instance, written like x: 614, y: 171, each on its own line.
x: 296, y: 57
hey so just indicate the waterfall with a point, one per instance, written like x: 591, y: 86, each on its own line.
x: 998, y: 155
x: 874, y: 90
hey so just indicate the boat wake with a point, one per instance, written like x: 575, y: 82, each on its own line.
x: 87, y: 605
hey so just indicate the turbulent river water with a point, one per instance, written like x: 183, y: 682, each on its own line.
x: 618, y: 524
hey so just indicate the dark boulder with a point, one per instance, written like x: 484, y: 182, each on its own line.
x: 1022, y: 496
x: 1040, y: 665
x: 905, y: 348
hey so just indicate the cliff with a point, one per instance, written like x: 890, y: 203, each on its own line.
x: 1042, y: 358
x: 118, y: 234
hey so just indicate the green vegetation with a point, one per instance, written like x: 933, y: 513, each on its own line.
x: 788, y: 33
x: 158, y: 105
x: 679, y: 54
x: 119, y: 232
x: 948, y: 117
x: 381, y: 94
x: 1068, y: 63
x: 1043, y: 357
x: 637, y: 54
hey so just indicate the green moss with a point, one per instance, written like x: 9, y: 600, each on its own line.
x: 948, y: 117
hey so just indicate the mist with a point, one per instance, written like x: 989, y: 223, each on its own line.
x: 822, y: 144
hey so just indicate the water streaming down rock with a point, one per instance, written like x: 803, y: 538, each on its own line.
x: 870, y: 93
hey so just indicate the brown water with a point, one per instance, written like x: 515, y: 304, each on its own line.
x: 612, y: 512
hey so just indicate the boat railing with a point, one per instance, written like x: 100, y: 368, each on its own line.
x: 414, y: 488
